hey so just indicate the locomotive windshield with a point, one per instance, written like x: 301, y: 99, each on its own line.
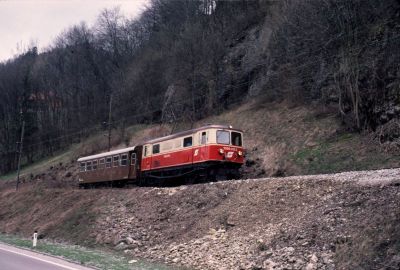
x: 236, y: 139
x: 223, y: 137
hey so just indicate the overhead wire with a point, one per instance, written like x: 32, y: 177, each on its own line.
x: 81, y: 132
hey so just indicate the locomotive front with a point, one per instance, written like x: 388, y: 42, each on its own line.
x: 228, y: 145
x: 225, y: 150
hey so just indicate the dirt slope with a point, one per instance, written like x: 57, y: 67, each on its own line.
x: 339, y: 221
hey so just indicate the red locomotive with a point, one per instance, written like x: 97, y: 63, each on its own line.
x: 208, y: 153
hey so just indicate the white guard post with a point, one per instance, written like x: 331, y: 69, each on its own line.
x: 35, y: 235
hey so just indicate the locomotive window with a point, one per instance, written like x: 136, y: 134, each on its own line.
x: 124, y: 160
x: 88, y: 166
x: 145, y: 151
x: 203, y: 138
x: 115, y: 161
x: 222, y: 137
x: 236, y: 139
x: 94, y: 165
x: 101, y: 163
x: 108, y: 162
x: 82, y: 167
x: 156, y: 149
x: 187, y: 142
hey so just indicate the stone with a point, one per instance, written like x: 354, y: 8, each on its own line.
x: 290, y: 249
x: 314, y: 258
x: 326, y: 258
x: 298, y: 263
x: 312, y: 264
x: 269, y: 264
x: 129, y: 240
x: 121, y: 246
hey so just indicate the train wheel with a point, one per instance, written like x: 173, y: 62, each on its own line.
x: 82, y: 186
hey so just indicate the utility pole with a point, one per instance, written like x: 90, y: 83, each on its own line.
x: 109, y: 123
x: 20, y: 148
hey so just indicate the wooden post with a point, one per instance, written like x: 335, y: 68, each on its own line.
x: 109, y: 123
x: 20, y: 150
x: 34, y: 238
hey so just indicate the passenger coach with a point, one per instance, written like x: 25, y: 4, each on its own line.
x: 207, y: 153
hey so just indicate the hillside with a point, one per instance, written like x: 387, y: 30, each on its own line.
x: 339, y: 221
x: 281, y: 139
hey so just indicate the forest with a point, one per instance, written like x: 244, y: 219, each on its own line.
x: 185, y: 60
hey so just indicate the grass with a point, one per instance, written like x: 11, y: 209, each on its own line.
x: 340, y: 154
x: 91, y: 258
x: 62, y: 156
x: 76, y: 225
x: 375, y: 245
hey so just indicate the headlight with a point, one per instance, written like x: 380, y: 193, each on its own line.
x: 240, y: 153
x: 221, y: 151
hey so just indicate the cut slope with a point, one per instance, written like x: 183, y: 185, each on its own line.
x: 343, y: 221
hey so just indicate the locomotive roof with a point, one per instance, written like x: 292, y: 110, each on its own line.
x: 188, y: 132
x: 105, y: 154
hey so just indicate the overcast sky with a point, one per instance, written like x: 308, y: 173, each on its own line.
x: 40, y: 21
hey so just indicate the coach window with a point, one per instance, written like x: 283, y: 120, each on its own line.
x: 223, y: 137
x: 146, y: 151
x: 124, y: 159
x: 156, y: 149
x: 203, y: 138
x: 115, y: 161
x: 236, y: 138
x: 94, y: 165
x: 188, y: 141
x: 82, y: 167
x: 88, y: 166
x: 101, y: 163
x: 133, y: 159
x: 108, y: 162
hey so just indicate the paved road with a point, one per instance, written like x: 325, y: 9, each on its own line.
x: 12, y: 258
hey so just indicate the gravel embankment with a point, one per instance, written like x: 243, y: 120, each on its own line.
x: 338, y: 221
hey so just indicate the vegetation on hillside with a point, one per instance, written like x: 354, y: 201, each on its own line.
x: 185, y: 60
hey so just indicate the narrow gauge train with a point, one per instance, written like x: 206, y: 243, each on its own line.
x: 208, y: 153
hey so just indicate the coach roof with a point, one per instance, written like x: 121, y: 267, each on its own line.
x: 106, y: 154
